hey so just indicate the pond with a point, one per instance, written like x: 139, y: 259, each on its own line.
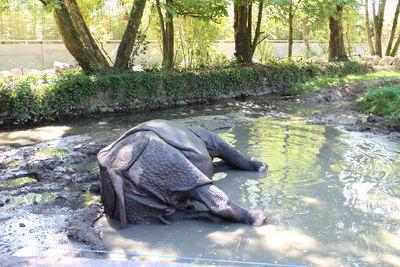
x: 332, y: 196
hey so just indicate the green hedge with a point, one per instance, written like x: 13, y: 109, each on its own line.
x: 34, y: 99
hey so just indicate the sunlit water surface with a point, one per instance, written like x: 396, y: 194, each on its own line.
x: 333, y: 198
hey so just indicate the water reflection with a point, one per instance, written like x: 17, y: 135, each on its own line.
x: 333, y: 198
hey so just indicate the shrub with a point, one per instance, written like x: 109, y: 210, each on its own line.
x: 34, y: 99
x: 382, y: 101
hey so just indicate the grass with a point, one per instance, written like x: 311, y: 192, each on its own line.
x: 321, y: 82
x: 382, y: 101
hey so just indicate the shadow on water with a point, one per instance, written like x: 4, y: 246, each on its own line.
x: 114, y: 124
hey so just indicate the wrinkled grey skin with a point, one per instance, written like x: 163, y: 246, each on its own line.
x: 153, y: 171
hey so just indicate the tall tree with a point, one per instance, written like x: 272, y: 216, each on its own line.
x: 76, y: 35
x: 378, y: 25
x: 304, y: 29
x: 203, y: 9
x: 286, y: 11
x: 80, y: 42
x: 396, y: 47
x: 128, y: 40
x: 393, y: 31
x: 167, y: 33
x: 370, y: 44
x: 241, y: 28
x: 337, y: 50
x: 245, y: 42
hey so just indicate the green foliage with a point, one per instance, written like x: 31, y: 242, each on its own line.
x: 197, y: 50
x: 35, y: 99
x: 140, y: 46
x: 25, y: 95
x: 382, y: 101
x: 205, y: 9
x: 264, y: 53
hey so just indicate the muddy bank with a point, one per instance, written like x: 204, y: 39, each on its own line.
x: 49, y: 191
x: 43, y: 187
x: 339, y: 102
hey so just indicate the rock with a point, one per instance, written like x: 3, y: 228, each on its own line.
x: 181, y: 103
x: 6, y: 74
x: 17, y: 72
x: 374, y: 119
x: 82, y: 227
x: 318, y: 59
x: 33, y: 71
x: 22, y: 225
x: 364, y: 128
x: 137, y: 68
x: 386, y: 61
x: 396, y: 62
x: 27, y: 71
x: 51, y: 73
x: 94, y: 188
x: 60, y: 66
x: 394, y: 135
x: 373, y: 60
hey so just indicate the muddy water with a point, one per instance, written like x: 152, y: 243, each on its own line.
x: 333, y: 198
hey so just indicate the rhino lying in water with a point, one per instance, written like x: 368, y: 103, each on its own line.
x: 153, y: 171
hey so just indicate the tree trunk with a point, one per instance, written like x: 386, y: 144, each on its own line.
x: 396, y: 47
x: 304, y: 29
x: 128, y: 39
x: 242, y: 41
x: 85, y: 35
x: 257, y: 32
x: 169, y: 29
x: 162, y: 27
x: 167, y: 35
x: 378, y: 22
x: 371, y: 49
x: 75, y: 40
x: 337, y: 50
x: 393, y: 32
x: 290, y: 37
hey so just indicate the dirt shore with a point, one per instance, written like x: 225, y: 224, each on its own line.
x: 339, y: 103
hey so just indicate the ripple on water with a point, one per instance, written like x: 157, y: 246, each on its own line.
x: 370, y: 175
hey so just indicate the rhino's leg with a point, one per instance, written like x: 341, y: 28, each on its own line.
x: 224, y: 151
x: 217, y: 147
x: 219, y: 204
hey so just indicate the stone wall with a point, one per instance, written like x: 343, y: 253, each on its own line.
x: 42, y: 54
